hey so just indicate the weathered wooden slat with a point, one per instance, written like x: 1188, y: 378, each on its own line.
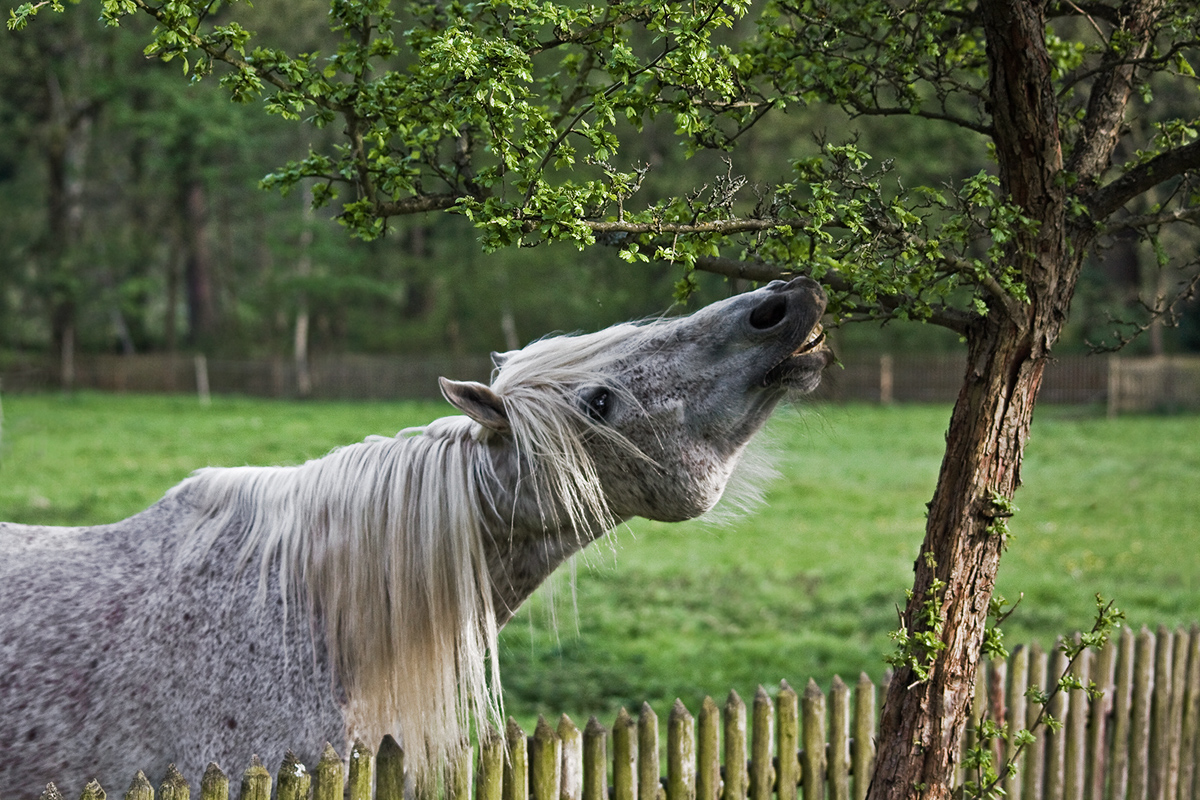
x: 1018, y: 682
x: 293, y: 780
x: 708, y: 751
x: 1032, y: 783
x: 460, y: 774
x: 762, y: 740
x: 389, y: 771
x: 787, y: 745
x: 489, y: 780
x: 1056, y: 741
x: 571, y: 768
x: 813, y: 761
x: 1175, y: 723
x: 1074, y: 762
x: 648, y: 770
x: 174, y: 786
x: 862, y: 754
x: 1118, y: 780
x: 1190, y: 738
x: 681, y: 754
x: 736, y: 778
x: 214, y: 785
x: 92, y: 791
x: 625, y: 757
x: 516, y: 765
x: 545, y: 762
x: 595, y: 761
x: 997, y: 699
x: 839, y: 740
x: 1140, y: 713
x: 361, y: 774
x: 51, y: 792
x: 1098, y: 714
x: 1160, y: 714
x: 256, y: 782
x: 329, y: 777
x: 140, y: 788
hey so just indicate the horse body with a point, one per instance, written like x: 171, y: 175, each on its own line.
x: 260, y: 609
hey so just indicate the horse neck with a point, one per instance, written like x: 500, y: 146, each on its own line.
x: 526, y: 534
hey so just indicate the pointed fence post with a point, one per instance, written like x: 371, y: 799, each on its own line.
x: 839, y: 740
x: 174, y: 786
x: 625, y: 757
x: 93, y: 791
x: 762, y: 736
x: 389, y: 770
x: 362, y: 773
x: 681, y: 754
x: 736, y: 779
x: 649, y: 786
x: 140, y: 788
x: 787, y: 747
x: 516, y: 766
x: 595, y: 761
x: 51, y: 792
x: 813, y: 765
x: 863, y: 753
x: 215, y: 784
x: 708, y: 751
x: 489, y: 783
x: 571, y: 769
x: 293, y: 781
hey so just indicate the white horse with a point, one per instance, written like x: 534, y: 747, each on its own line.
x: 254, y: 610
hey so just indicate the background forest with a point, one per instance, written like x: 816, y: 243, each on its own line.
x: 131, y: 220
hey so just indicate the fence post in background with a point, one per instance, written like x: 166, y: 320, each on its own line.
x: 708, y: 752
x: 572, y: 760
x: 681, y: 754
x: 736, y: 779
x: 1035, y: 754
x: 648, y: 773
x: 1175, y: 729
x: 256, y: 782
x: 886, y: 380
x: 813, y: 763
x: 389, y: 770
x: 862, y: 753
x: 201, y: 366
x: 1122, y: 717
x: 1114, y: 386
x: 545, y: 760
x: 1160, y: 714
x: 516, y: 766
x: 595, y: 761
x: 1076, y: 731
x: 625, y: 757
x: 1098, y: 714
x: 787, y: 749
x: 1056, y: 742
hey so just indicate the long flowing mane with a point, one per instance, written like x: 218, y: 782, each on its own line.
x: 384, y: 541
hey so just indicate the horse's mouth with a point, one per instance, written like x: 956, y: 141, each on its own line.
x: 802, y: 367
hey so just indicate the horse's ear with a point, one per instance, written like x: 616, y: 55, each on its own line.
x: 498, y: 359
x: 477, y: 401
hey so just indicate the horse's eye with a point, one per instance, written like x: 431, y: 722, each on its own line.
x: 598, y: 405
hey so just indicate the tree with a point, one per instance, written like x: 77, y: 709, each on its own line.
x: 508, y: 112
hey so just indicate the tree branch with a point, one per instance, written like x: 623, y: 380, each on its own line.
x: 1109, y: 198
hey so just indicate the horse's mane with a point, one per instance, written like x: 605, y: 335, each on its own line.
x: 385, y: 538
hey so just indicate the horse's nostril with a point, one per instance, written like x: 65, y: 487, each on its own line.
x: 769, y: 312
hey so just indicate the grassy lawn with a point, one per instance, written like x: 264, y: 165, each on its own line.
x: 806, y: 587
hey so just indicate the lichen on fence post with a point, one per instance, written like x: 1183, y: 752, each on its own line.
x: 787, y: 748
x: 839, y: 740
x: 571, y: 771
x: 1190, y: 744
x: 813, y: 764
x: 681, y: 754
x: 93, y: 791
x: 215, y: 784
x: 862, y: 755
x: 649, y: 771
x: 516, y: 766
x: 762, y: 736
x: 140, y: 788
x: 329, y: 778
x: 294, y: 780
x: 389, y: 770
x: 362, y: 773
x: 545, y: 759
x: 174, y: 786
x: 595, y: 761
x: 625, y: 757
x: 489, y: 781
x: 736, y: 779
x: 708, y: 751
x: 1139, y: 730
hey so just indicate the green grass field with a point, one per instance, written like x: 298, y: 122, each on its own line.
x: 806, y: 587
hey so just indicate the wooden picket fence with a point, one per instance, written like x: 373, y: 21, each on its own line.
x: 1140, y: 740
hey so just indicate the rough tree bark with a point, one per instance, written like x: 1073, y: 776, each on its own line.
x: 923, y: 721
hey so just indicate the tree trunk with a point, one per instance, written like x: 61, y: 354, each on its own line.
x: 198, y: 266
